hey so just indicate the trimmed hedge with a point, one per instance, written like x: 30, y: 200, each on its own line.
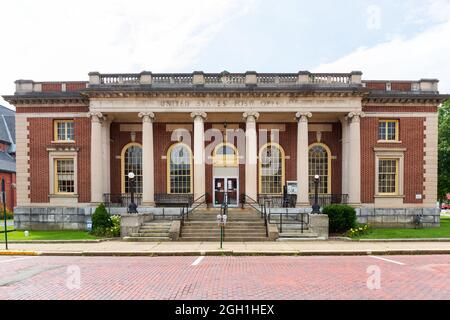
x: 101, y: 221
x: 341, y: 217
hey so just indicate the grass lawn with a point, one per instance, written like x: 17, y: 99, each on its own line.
x: 48, y: 235
x: 442, y: 232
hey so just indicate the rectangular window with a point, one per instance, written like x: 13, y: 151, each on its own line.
x: 64, y: 130
x: 388, y: 176
x: 64, y: 176
x: 388, y: 130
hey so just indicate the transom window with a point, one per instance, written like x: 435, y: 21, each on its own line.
x: 271, y: 169
x: 388, y: 176
x: 320, y: 164
x: 64, y: 130
x: 388, y: 130
x: 132, y: 162
x: 179, y: 167
x: 64, y: 176
x: 225, y: 155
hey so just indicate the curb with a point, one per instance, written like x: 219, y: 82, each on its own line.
x: 228, y: 253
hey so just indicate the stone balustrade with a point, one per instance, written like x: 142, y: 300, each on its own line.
x: 227, y: 79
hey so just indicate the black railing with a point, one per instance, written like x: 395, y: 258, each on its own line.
x: 261, y: 208
x: 327, y: 199
x: 289, y: 201
x: 285, y: 218
x: 278, y: 201
x: 173, y: 200
x: 188, y: 207
x: 122, y: 200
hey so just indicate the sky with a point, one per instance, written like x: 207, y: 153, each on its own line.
x: 64, y: 40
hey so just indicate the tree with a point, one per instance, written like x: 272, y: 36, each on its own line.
x: 444, y: 151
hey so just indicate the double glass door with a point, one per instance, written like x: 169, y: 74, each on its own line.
x: 226, y: 186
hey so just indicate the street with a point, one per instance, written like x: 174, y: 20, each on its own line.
x: 227, y: 278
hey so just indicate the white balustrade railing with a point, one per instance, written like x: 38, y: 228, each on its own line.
x: 225, y: 78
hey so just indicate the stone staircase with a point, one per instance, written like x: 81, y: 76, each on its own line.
x: 293, y: 230
x: 153, y: 231
x: 242, y: 225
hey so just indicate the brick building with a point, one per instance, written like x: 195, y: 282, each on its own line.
x: 372, y: 143
x: 7, y: 155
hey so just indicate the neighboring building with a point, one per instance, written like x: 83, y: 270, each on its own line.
x: 8, y: 154
x: 373, y: 143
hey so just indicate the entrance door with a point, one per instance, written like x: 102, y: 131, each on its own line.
x: 227, y: 186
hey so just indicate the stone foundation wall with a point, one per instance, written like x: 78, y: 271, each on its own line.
x: 51, y: 218
x: 399, y: 218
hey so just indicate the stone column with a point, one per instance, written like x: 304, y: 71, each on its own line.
x: 106, y: 154
x: 302, y: 159
x: 345, y: 154
x: 354, y: 158
x: 148, y: 175
x: 199, y: 153
x: 96, y: 157
x: 251, y: 155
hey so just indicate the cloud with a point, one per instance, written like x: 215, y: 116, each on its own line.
x: 426, y: 55
x: 64, y: 40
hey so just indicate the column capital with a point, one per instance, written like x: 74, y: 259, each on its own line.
x: 199, y: 114
x: 251, y: 115
x: 95, y: 116
x: 303, y: 116
x: 147, y: 116
x: 356, y: 116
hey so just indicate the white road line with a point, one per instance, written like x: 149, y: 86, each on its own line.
x: 197, y: 261
x: 12, y: 260
x: 388, y: 260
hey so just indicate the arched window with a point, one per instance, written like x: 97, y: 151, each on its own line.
x: 225, y: 155
x: 271, y: 169
x: 132, y: 162
x: 320, y: 164
x: 179, y: 169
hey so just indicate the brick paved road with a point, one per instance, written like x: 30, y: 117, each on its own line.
x: 403, y: 277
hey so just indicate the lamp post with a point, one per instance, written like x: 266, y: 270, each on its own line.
x: 132, y: 208
x: 316, y: 206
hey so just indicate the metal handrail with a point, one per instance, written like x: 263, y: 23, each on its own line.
x: 262, y: 210
x: 185, y: 210
x: 302, y: 220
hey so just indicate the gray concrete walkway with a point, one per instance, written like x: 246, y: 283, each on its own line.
x: 231, y: 248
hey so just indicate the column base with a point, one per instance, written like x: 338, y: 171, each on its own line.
x: 303, y: 205
x: 355, y: 204
x: 147, y: 204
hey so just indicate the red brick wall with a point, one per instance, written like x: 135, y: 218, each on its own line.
x: 51, y: 87
x: 10, y: 196
x: 36, y: 109
x: 412, y: 137
x: 119, y: 139
x: 387, y: 108
x: 401, y: 86
x: 333, y: 141
x: 41, y: 136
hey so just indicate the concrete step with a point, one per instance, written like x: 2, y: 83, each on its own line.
x: 217, y: 233
x: 154, y: 228
x: 146, y: 239
x: 262, y: 229
x: 298, y: 235
x: 150, y: 234
x: 230, y: 239
x: 150, y: 224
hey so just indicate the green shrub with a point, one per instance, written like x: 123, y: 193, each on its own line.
x: 101, y: 221
x: 9, y: 214
x: 341, y: 217
x: 114, y: 231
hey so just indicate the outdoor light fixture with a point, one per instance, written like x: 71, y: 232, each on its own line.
x: 132, y: 208
x: 316, y: 206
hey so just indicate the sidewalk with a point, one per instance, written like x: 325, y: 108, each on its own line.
x: 332, y: 247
